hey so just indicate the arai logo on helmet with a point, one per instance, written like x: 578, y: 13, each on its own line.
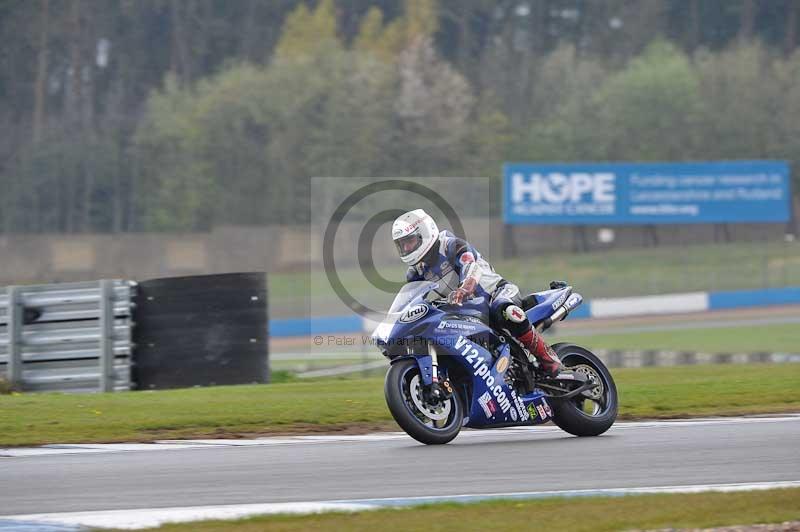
x: 414, y: 313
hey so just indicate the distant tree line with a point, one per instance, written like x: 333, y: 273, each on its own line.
x: 123, y: 115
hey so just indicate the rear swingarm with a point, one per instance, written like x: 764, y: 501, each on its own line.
x: 570, y: 394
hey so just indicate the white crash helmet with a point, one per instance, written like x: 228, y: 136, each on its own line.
x: 414, y: 233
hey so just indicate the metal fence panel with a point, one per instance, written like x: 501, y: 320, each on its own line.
x: 67, y: 337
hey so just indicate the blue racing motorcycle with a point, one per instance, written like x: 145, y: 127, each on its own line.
x: 451, y: 369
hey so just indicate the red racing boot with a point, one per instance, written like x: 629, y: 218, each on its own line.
x: 547, y: 358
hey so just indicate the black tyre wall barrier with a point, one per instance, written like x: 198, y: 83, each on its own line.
x: 200, y: 331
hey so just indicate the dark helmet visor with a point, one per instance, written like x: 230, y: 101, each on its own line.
x: 408, y: 244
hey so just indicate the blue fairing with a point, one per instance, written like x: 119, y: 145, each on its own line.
x: 546, y: 303
x: 458, y: 335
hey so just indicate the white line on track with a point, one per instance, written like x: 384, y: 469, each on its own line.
x: 176, y: 445
x: 153, y: 517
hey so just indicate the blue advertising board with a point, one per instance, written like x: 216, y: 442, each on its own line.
x: 646, y: 193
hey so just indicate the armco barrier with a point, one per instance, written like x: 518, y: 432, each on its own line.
x: 67, y: 337
x: 597, y: 308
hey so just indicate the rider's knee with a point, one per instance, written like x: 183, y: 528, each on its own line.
x: 514, y: 319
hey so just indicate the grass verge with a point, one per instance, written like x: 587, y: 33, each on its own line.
x: 591, y: 514
x: 358, y: 405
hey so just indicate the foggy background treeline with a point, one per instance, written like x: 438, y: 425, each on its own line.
x: 157, y: 115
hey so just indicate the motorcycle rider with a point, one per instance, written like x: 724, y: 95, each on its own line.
x: 461, y: 273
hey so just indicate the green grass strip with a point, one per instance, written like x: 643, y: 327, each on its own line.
x: 642, y: 512
x: 337, y: 404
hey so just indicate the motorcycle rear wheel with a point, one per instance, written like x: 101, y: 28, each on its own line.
x: 582, y: 415
x: 402, y: 389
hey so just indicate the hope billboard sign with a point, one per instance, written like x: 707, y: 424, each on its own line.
x: 646, y: 193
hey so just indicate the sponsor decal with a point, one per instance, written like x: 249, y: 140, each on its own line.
x: 519, y: 407
x: 560, y: 301
x: 540, y: 409
x: 445, y: 268
x: 547, y: 408
x: 478, y: 363
x: 513, y: 413
x: 414, y: 313
x: 408, y: 228
x: 532, y: 411
x: 466, y: 258
x: 515, y: 314
x: 576, y: 188
x: 502, y: 365
x: 444, y: 324
x: 488, y: 404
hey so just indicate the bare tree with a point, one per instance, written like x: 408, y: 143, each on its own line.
x: 180, y: 62
x: 747, y: 20
x: 40, y: 95
x: 693, y: 28
x: 790, y: 38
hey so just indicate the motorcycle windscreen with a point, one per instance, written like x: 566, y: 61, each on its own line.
x: 411, y: 292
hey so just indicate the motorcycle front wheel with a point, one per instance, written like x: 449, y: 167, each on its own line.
x: 431, y: 424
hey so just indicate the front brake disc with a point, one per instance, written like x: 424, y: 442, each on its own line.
x: 438, y: 412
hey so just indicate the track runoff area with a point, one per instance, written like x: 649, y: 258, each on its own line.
x: 143, y: 485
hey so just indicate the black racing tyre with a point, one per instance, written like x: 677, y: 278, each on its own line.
x: 402, y: 389
x: 586, y: 416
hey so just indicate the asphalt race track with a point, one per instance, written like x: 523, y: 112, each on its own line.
x: 392, y: 465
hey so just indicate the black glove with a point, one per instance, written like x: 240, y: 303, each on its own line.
x: 556, y: 285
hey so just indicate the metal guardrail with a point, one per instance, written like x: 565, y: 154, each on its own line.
x: 67, y: 337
